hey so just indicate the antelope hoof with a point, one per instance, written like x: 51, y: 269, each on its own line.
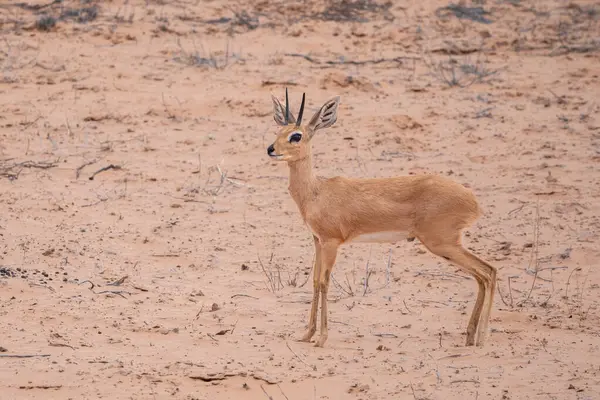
x: 480, y: 342
x: 307, y: 336
x: 321, y: 342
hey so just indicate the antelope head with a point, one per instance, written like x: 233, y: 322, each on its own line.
x: 293, y: 140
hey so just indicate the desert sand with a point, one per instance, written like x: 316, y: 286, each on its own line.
x: 149, y: 248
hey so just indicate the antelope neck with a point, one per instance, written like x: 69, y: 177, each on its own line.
x: 302, y: 182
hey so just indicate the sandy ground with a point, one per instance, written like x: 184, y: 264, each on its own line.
x: 145, y: 281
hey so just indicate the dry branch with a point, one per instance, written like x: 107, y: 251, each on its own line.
x: 23, y: 355
x: 387, y: 268
x: 53, y: 344
x: 265, y: 392
x: 313, y: 367
x: 342, y: 61
x: 244, y: 295
x: 341, y: 288
x: 367, y: 274
x: 385, y: 335
x: 272, y: 283
x: 118, y: 282
x: 82, y: 166
x: 13, y: 170
x: 278, y: 83
x: 28, y: 387
x: 117, y: 292
x: 282, y: 392
x: 111, y: 166
x: 534, y: 258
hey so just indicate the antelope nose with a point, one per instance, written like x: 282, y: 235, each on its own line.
x: 270, y: 150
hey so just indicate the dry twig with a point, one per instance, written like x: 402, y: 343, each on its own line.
x: 23, y: 355
x: 534, y: 253
x: 313, y: 367
x: 12, y: 171
x: 342, y: 61
x: 111, y: 166
x: 82, y: 166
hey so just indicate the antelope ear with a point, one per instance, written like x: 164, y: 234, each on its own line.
x: 279, y: 113
x: 325, y: 117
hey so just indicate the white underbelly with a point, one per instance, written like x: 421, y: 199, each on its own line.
x: 381, y: 237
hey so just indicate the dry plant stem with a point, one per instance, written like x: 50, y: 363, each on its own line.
x: 579, y: 293
x: 69, y: 131
x: 534, y: 252
x: 530, y: 290
x: 312, y: 268
x: 13, y: 171
x: 44, y: 387
x: 117, y: 292
x: 244, y: 295
x: 282, y: 392
x: 23, y: 355
x: 111, y: 166
x: 61, y: 345
x: 88, y: 281
x: 545, y: 302
x: 367, y: 273
x: 569, y: 281
x: 349, y: 286
x: 265, y: 392
x: 313, y: 367
x: 413, y: 391
x: 342, y: 289
x: 387, y: 268
x: 234, y: 326
x: 398, y: 60
x: 583, y: 286
x: 518, y: 209
x: 82, y: 166
x: 167, y: 110
x: 279, y: 282
x: 442, y: 274
x: 278, y: 83
x: 536, y: 229
x: 510, y: 291
x: 212, y: 337
x: 464, y: 381
x: 405, y: 306
x: 385, y: 335
x: 502, y: 297
x: 118, y: 282
x: 271, y: 286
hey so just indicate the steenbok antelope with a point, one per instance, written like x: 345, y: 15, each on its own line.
x: 340, y: 210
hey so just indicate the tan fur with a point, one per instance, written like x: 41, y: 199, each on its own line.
x: 337, y: 210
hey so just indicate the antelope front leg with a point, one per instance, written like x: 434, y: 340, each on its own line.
x: 328, y: 255
x: 312, y: 323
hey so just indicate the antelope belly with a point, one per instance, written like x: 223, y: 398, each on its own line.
x: 382, y: 237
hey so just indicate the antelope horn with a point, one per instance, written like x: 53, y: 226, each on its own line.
x: 287, y: 107
x: 299, y: 120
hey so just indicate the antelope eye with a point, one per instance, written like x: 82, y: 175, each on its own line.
x: 295, y: 138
